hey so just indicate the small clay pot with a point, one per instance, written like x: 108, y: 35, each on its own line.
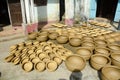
x: 32, y: 35
x: 35, y: 60
x: 90, y: 45
x: 42, y: 38
x: 53, y: 35
x: 84, y: 52
x: 110, y: 73
x: 27, y: 66
x: 51, y: 66
x: 13, y: 47
x: 58, y: 60
x: 62, y: 39
x: 42, y: 55
x: 103, y: 51
x: 75, y: 42
x: 98, y: 61
x: 25, y: 60
x: 101, y: 43
x: 16, y: 61
x: 28, y: 43
x: 9, y: 58
x: 115, y: 59
x: 40, y: 66
x: 75, y: 63
x: 114, y: 47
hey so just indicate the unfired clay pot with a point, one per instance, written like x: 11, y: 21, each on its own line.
x: 32, y: 35
x: 27, y: 66
x: 40, y: 66
x: 75, y: 42
x: 75, y: 63
x: 110, y: 73
x: 62, y: 39
x: 114, y: 47
x: 42, y: 38
x: 53, y: 35
x: 98, y: 61
x: 115, y: 59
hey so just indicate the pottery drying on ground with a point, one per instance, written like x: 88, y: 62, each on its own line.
x: 27, y: 66
x: 115, y: 59
x: 51, y: 65
x: 40, y: 66
x: 84, y: 52
x: 103, y: 51
x: 98, y: 61
x: 62, y: 39
x: 75, y: 42
x: 110, y: 73
x: 75, y: 63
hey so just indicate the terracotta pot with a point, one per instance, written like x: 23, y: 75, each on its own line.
x: 101, y: 43
x: 16, y: 61
x: 98, y: 61
x: 27, y: 66
x: 35, y: 60
x: 25, y: 60
x: 84, y: 52
x: 62, y: 39
x: 75, y: 42
x: 115, y: 59
x: 42, y: 38
x: 90, y: 45
x: 51, y: 65
x: 110, y: 73
x: 42, y: 55
x: 53, y: 35
x: 58, y: 60
x: 103, y: 51
x: 46, y: 59
x: 40, y: 66
x: 32, y: 35
x: 75, y: 63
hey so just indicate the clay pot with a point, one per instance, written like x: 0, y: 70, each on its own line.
x: 101, y: 37
x: 9, y: 58
x: 27, y: 66
x: 42, y: 38
x: 115, y: 59
x: 35, y: 60
x: 16, y: 61
x: 46, y: 59
x: 84, y: 52
x: 90, y: 45
x: 98, y: 61
x: 114, y: 47
x: 103, y: 51
x: 53, y: 35
x: 57, y: 60
x: 13, y: 47
x: 28, y: 43
x: 75, y: 42
x: 32, y: 35
x: 110, y: 40
x: 110, y: 73
x: 51, y: 65
x: 101, y: 43
x: 25, y: 60
x: 75, y: 63
x: 62, y: 39
x: 42, y: 55
x: 40, y: 66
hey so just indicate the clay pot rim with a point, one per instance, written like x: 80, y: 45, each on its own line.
x: 52, y: 62
x: 101, y: 55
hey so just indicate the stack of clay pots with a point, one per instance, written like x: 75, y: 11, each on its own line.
x: 38, y: 55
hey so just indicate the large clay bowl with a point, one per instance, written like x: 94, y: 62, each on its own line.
x: 27, y: 66
x: 104, y: 51
x: 98, y: 61
x: 75, y: 63
x: 84, y: 52
x: 110, y: 73
x: 40, y: 66
x: 51, y: 66
x: 115, y: 59
x: 62, y: 39
x: 114, y: 47
x: 75, y: 42
x: 53, y: 35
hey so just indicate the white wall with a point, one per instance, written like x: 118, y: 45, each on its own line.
x: 50, y: 12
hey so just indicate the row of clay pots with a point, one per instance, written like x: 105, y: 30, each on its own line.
x: 38, y: 53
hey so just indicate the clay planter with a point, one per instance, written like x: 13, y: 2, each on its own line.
x: 84, y: 52
x: 9, y: 58
x: 114, y: 47
x: 51, y: 66
x: 62, y: 39
x: 115, y: 59
x: 32, y: 36
x: 42, y: 38
x: 98, y: 61
x: 75, y: 42
x: 110, y: 73
x: 75, y: 63
x: 53, y: 35
x: 40, y: 66
x: 103, y: 51
x: 27, y: 66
